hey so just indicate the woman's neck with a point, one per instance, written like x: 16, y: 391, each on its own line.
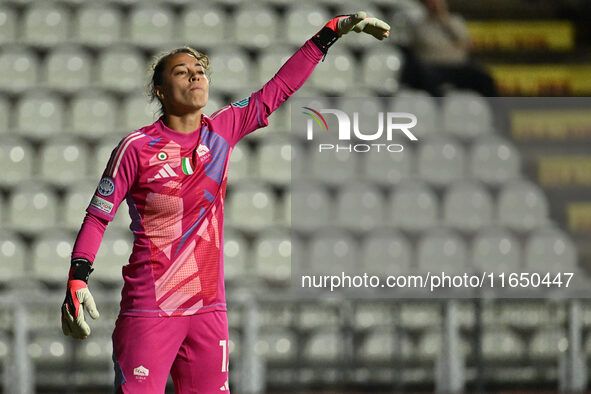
x: 186, y: 123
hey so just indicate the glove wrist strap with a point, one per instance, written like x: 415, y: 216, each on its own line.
x: 324, y: 39
x: 80, y: 269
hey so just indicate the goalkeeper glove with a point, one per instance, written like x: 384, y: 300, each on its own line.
x: 78, y: 298
x: 358, y: 22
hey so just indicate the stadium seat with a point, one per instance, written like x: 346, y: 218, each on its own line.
x: 317, y: 314
x: 338, y: 73
x: 430, y: 345
x: 303, y: 21
x: 530, y: 314
x: 386, y: 252
x: 16, y: 160
x: 139, y: 112
x: 5, y: 113
x: 259, y: 21
x: 68, y: 69
x: 332, y: 167
x: 46, y: 24
x: 424, y: 107
x: 98, y: 25
x: 39, y: 115
x: 151, y: 26
x: 501, y: 344
x: 203, y: 25
x: 441, y: 161
x: 413, y: 207
x: 272, y: 251
x: 271, y: 60
x: 46, y: 348
x: 331, y: 251
x: 251, y: 207
x: 97, y: 348
x: 466, y: 115
x: 240, y: 164
x: 274, y: 162
x: 13, y: 253
x: 50, y: 256
x: 324, y: 345
x: 371, y: 314
x: 236, y: 256
x: 549, y: 249
x: 74, y: 203
x: 231, y: 69
x: 276, y: 344
x: 360, y: 207
x: 8, y: 23
x: 102, y: 153
x: 310, y: 206
x: 19, y: 68
x: 384, y: 345
x: 494, y: 160
x: 467, y: 206
x: 63, y: 160
x: 548, y: 343
x: 121, y: 68
x: 214, y: 102
x: 32, y: 208
x: 380, y: 68
x: 495, y: 249
x: 420, y: 315
x: 94, y: 114
x: 388, y: 169
x: 112, y: 256
x: 441, y: 249
x: 522, y: 206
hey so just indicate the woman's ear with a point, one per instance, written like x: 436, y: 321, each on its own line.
x: 158, y: 92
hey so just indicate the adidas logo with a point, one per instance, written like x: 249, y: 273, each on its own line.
x: 165, y: 172
x: 141, y: 371
x: 225, y: 387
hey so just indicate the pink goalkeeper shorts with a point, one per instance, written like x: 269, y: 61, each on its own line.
x: 193, y: 349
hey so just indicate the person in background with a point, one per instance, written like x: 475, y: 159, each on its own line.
x: 439, y: 56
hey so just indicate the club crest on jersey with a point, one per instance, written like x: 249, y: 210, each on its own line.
x: 203, y: 153
x: 106, y: 186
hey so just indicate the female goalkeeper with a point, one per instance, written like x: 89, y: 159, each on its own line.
x: 173, y: 175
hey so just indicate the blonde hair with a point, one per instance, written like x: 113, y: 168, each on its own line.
x: 156, y: 71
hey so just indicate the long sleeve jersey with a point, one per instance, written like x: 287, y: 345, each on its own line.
x: 174, y: 184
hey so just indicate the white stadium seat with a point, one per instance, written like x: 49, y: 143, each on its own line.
x: 259, y: 21
x: 98, y: 25
x: 424, y: 107
x: 413, y: 207
x: 14, y: 256
x: 94, y: 114
x: 236, y: 256
x: 441, y: 249
x: 467, y: 206
x: 139, y: 112
x: 386, y: 252
x: 494, y: 160
x: 204, y: 24
x: 549, y: 249
x: 311, y: 206
x: 8, y: 24
x: 16, y: 160
x: 74, y: 203
x: 112, y: 255
x: 231, y: 69
x: 68, y: 69
x: 338, y: 73
x: 63, y: 160
x: 380, y: 68
x: 272, y: 253
x: 151, y: 26
x: 275, y: 159
x: 496, y: 249
x: 332, y: 251
x: 360, y: 207
x: 39, y: 115
x: 121, y: 68
x: 50, y: 256
x: 32, y: 208
x: 466, y: 115
x: 441, y: 160
x: 303, y: 21
x: 251, y: 206
x: 19, y: 68
x: 46, y: 24
x: 522, y: 206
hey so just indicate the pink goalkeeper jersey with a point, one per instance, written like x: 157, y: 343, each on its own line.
x: 174, y: 184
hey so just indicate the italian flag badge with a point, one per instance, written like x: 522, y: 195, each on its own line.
x: 187, y: 169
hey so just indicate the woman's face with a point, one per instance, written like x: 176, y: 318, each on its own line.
x: 185, y: 87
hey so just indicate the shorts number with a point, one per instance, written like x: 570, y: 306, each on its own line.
x: 224, y: 345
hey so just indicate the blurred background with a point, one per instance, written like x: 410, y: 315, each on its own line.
x: 503, y: 182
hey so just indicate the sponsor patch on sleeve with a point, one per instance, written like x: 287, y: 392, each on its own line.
x: 101, y: 204
x: 106, y: 186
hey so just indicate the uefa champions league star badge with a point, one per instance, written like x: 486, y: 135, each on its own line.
x: 106, y: 186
